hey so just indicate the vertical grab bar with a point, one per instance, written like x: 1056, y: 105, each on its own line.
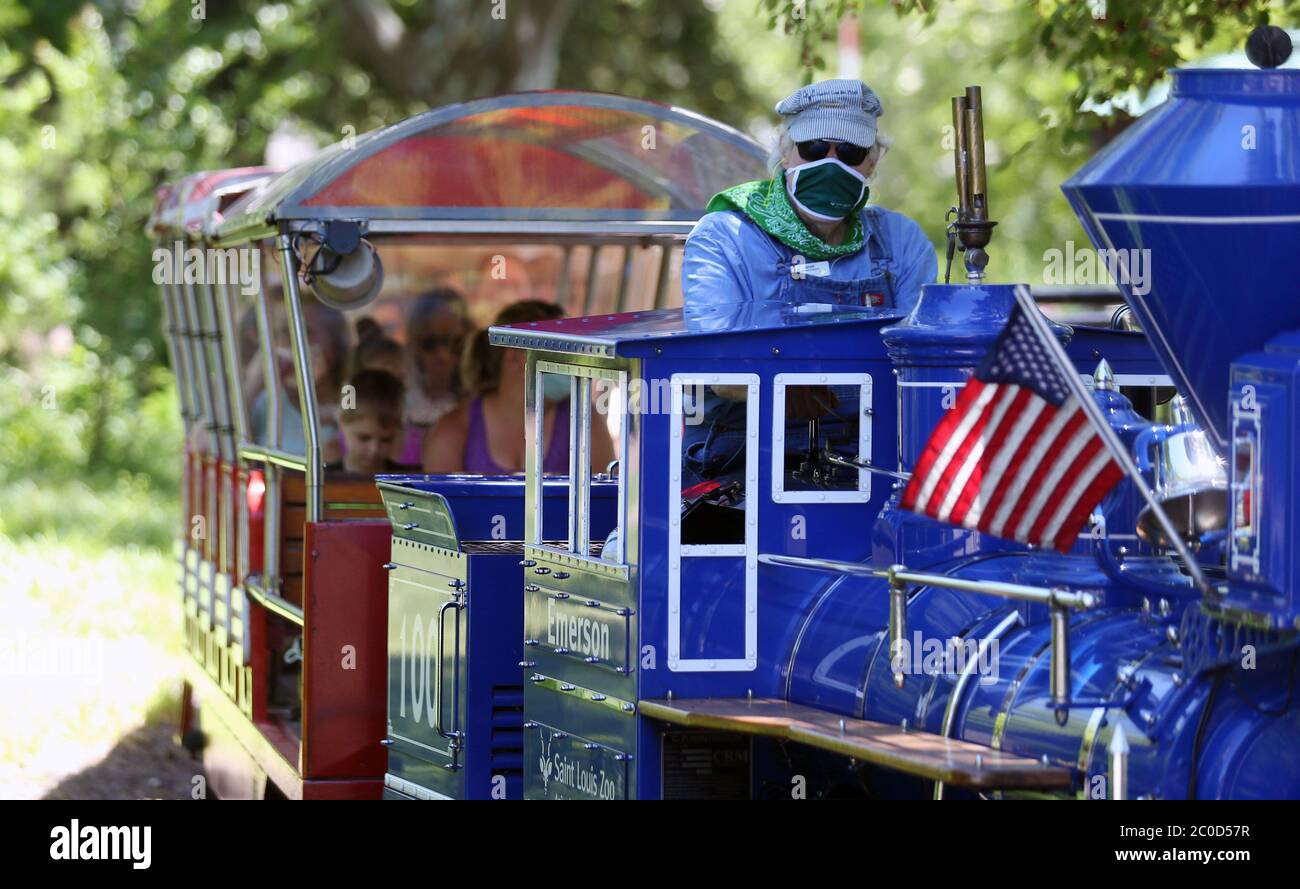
x: 453, y: 737
x: 303, y: 375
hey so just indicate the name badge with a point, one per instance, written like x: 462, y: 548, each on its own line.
x: 816, y: 269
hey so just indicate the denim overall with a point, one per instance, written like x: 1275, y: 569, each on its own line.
x: 714, y: 449
x: 876, y: 291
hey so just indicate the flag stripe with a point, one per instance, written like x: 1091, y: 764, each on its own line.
x: 950, y: 484
x: 1037, y: 415
x: 1082, y: 469
x: 1022, y: 438
x: 1029, y: 477
x: 967, y: 419
x: 1110, y: 476
x: 934, y: 445
x: 1020, y: 472
x: 1017, y: 455
x: 970, y: 501
x: 1066, y: 451
x: 975, y: 453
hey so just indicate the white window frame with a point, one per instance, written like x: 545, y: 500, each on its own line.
x: 779, y: 384
x: 580, y: 423
x: 747, y: 550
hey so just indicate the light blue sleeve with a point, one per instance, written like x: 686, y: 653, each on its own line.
x: 917, y: 263
x: 713, y: 270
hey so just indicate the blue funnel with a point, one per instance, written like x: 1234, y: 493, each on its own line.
x: 1209, y: 183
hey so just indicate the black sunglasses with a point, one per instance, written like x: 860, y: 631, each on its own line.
x: 816, y: 149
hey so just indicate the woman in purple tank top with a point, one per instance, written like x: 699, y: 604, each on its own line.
x: 485, y: 434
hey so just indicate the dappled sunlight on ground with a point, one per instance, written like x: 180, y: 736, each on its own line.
x: 90, y: 648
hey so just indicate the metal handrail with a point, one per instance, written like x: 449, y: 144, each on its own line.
x: 832, y: 457
x: 855, y: 569
x: 262, y: 454
x: 1059, y: 601
x: 1039, y: 595
x: 303, y: 375
x: 274, y: 603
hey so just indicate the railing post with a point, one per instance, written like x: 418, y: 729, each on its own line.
x: 303, y: 374
x: 897, y: 620
x: 1060, y: 666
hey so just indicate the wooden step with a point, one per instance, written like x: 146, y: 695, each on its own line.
x: 955, y: 763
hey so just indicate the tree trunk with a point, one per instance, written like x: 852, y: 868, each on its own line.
x: 443, y: 61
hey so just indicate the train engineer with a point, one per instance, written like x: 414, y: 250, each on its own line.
x: 807, y: 234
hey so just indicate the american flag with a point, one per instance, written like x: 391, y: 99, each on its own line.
x: 1016, y: 456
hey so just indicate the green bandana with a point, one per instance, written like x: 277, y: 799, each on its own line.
x: 765, y: 202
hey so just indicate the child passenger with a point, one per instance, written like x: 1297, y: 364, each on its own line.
x: 376, y: 350
x: 371, y: 421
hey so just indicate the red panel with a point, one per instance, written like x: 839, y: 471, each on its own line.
x: 190, y: 202
x: 467, y: 171
x: 209, y: 484
x: 251, y: 490
x: 371, y: 788
x: 346, y: 604
x: 230, y: 491
x: 203, y: 184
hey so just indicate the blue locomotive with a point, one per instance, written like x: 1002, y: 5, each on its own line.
x: 749, y: 602
x: 737, y: 606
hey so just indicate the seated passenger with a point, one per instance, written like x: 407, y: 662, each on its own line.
x: 371, y: 421
x: 435, y: 331
x: 485, y: 434
x: 375, y: 350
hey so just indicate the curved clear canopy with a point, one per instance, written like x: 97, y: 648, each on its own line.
x: 195, y: 205
x: 547, y: 156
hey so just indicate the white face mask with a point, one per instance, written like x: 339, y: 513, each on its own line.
x: 828, y: 190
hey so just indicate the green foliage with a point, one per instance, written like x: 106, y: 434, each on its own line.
x: 667, y: 51
x: 129, y: 513
x: 101, y: 103
x: 86, y: 458
x: 915, y: 63
x: 1102, y: 48
x: 81, y: 417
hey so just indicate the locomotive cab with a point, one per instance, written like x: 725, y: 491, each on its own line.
x: 745, y: 436
x: 737, y: 432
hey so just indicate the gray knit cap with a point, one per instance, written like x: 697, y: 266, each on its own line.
x: 844, y: 110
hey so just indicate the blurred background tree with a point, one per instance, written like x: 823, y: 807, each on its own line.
x: 104, y: 101
x: 1098, y: 49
